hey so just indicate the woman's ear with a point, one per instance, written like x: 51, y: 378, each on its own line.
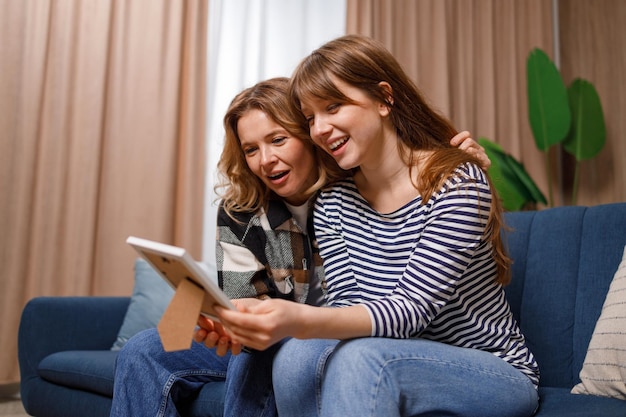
x: 387, y: 91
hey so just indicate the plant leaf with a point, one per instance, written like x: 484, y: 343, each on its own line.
x: 588, y: 134
x: 548, y: 106
x: 511, y: 191
x: 535, y: 193
x: 490, y: 146
x: 512, y: 199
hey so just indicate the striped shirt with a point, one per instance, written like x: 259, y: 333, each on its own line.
x: 423, y: 270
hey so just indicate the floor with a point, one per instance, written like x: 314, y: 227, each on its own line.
x: 11, y: 408
x: 10, y: 404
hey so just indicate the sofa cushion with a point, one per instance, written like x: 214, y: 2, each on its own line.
x: 151, y: 296
x: 564, y: 261
x: 559, y: 402
x: 544, y: 267
x: 87, y: 370
x: 604, y: 369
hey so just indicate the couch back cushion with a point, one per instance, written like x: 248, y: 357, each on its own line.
x: 151, y: 296
x: 564, y: 261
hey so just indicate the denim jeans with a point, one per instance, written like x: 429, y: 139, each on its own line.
x: 394, y: 377
x: 297, y: 376
x: 249, y: 384
x: 152, y: 382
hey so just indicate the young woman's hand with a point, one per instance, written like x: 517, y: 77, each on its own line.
x: 259, y: 324
x: 213, y: 335
x: 463, y: 141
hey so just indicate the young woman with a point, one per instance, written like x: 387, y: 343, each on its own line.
x: 270, y: 173
x: 414, y: 265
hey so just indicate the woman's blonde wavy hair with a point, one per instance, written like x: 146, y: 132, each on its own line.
x: 365, y: 63
x: 238, y: 187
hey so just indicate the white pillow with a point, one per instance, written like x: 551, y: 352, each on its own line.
x: 604, y: 369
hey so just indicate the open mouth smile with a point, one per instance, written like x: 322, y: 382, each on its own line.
x: 278, y: 175
x: 338, y: 143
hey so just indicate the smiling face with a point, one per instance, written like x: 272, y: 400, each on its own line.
x: 285, y: 163
x: 355, y: 132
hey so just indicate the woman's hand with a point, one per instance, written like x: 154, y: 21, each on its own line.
x: 259, y: 324
x: 463, y: 141
x: 213, y: 335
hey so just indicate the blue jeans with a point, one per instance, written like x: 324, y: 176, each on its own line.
x: 152, y: 382
x: 392, y: 377
x: 297, y: 376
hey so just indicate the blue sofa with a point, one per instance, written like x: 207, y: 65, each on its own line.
x: 564, y: 260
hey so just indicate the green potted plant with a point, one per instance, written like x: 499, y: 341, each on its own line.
x: 569, y: 117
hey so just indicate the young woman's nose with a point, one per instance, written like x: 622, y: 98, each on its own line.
x: 320, y: 129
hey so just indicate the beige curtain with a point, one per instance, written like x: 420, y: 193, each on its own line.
x: 469, y: 58
x: 102, y: 136
x: 592, y: 47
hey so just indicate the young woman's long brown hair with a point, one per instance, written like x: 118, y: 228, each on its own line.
x: 365, y: 63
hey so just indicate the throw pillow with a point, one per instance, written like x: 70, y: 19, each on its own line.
x: 151, y: 296
x: 604, y: 368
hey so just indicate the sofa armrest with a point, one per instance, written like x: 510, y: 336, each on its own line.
x: 55, y: 324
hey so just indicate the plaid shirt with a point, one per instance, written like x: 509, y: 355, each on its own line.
x: 265, y: 254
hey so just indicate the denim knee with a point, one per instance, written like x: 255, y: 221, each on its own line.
x: 297, y: 375
x: 145, y: 343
